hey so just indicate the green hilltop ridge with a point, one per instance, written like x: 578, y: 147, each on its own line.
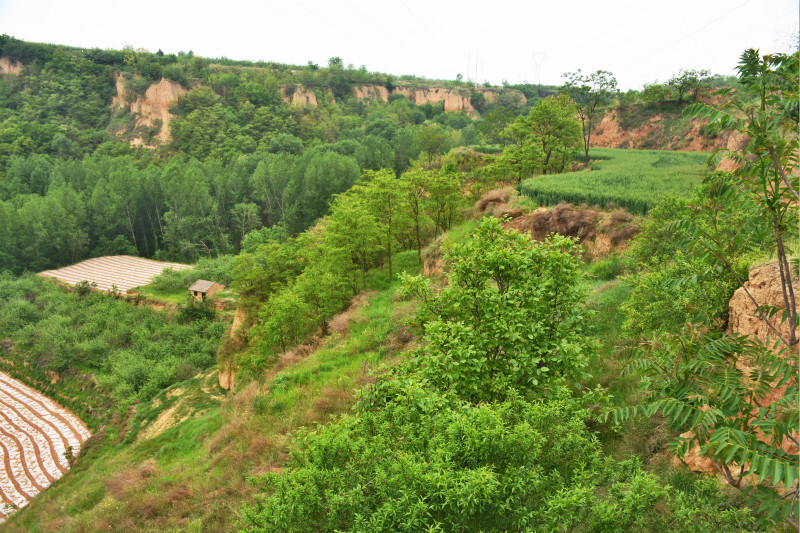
x: 447, y: 306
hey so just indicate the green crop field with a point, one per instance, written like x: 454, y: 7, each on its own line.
x: 634, y: 179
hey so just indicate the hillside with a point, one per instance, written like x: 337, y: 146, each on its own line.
x: 648, y: 126
x: 442, y: 310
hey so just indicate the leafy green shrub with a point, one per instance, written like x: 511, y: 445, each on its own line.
x: 609, y: 268
x: 132, y: 352
x: 84, y: 287
x: 510, y: 319
x: 415, y: 459
x: 664, y: 300
x: 219, y: 269
x: 177, y: 74
x: 170, y: 279
x: 136, y: 87
x: 196, y: 310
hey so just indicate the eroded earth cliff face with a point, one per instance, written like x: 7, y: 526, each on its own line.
x: 659, y: 132
x: 454, y: 99
x: 154, y: 107
x: 764, y: 285
x: 7, y: 67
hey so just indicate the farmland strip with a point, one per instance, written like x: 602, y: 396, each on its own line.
x: 62, y: 414
x: 44, y: 443
x: 58, y: 440
x: 35, y: 433
x: 8, y: 493
x: 19, y: 464
x: 124, y: 272
x: 32, y: 404
x: 44, y: 448
x: 13, y: 475
x: 30, y: 460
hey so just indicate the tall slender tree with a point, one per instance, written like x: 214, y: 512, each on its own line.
x: 590, y: 93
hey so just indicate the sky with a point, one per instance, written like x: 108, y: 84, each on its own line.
x: 531, y: 41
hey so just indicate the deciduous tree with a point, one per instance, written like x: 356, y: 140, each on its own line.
x: 590, y: 93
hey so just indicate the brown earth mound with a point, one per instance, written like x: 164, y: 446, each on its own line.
x: 599, y: 232
x: 499, y: 203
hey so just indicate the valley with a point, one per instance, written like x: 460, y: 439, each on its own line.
x: 437, y: 304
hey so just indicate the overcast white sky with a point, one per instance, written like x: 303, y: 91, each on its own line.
x: 535, y: 41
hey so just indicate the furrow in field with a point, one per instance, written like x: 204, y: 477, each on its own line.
x: 29, y: 458
x: 35, y: 434
x: 60, y: 443
x: 46, y: 449
x: 19, y: 467
x: 32, y: 397
x: 10, y: 482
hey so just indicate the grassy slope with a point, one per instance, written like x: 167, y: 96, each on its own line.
x: 193, y: 477
x: 634, y: 179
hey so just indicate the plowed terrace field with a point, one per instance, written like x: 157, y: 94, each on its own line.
x: 36, y: 437
x: 123, y: 271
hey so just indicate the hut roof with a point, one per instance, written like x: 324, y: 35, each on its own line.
x: 201, y: 285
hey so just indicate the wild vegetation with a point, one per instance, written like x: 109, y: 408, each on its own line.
x: 515, y: 386
x: 130, y: 352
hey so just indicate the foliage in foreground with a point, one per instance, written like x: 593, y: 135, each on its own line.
x: 420, y: 454
x: 732, y: 397
x: 634, y: 179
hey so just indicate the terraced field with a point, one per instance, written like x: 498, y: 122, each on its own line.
x: 121, y: 271
x: 36, y: 438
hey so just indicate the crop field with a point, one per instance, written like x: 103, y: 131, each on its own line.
x: 37, y: 437
x: 121, y: 271
x: 634, y: 179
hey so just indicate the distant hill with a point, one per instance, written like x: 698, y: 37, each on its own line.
x: 66, y: 88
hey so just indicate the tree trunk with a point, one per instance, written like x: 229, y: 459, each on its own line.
x: 389, y: 249
x: 130, y: 224
x: 419, y: 243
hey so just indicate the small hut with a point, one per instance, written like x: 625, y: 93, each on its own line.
x: 202, y: 288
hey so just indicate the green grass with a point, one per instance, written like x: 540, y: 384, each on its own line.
x: 177, y: 296
x: 378, y: 278
x: 634, y: 179
x: 193, y: 476
x: 338, y: 367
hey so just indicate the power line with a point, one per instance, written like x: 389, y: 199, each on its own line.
x: 685, y: 37
x: 740, y: 35
x: 381, y: 30
x: 433, y: 38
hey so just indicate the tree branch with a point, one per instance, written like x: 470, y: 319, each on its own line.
x: 785, y: 178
